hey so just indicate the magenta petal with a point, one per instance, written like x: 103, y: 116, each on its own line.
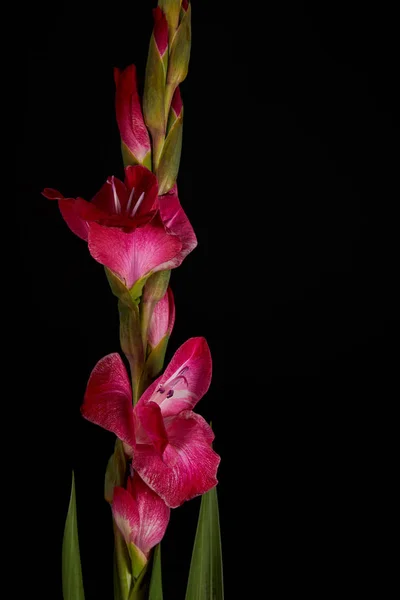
x: 186, y: 379
x: 175, y: 220
x: 163, y: 319
x: 69, y: 208
x: 140, y: 514
x: 160, y: 30
x: 108, y: 398
x: 177, y: 103
x: 142, y: 181
x: 188, y: 465
x: 105, y: 198
x: 133, y: 255
x: 150, y: 418
x: 129, y: 113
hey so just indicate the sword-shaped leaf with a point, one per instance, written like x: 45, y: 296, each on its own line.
x: 206, y: 576
x: 71, y: 561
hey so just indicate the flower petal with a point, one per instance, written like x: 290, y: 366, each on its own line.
x: 188, y: 465
x: 69, y: 208
x: 129, y: 113
x: 133, y: 255
x: 151, y: 420
x: 140, y: 514
x: 176, y: 221
x: 186, y: 379
x: 108, y: 398
x: 162, y: 319
x: 105, y: 198
x: 145, y: 186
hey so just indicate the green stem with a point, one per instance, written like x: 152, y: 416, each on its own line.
x: 131, y: 343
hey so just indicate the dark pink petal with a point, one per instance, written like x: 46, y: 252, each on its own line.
x: 131, y: 125
x: 144, y: 184
x: 108, y: 398
x: 69, y: 210
x: 163, y: 319
x: 160, y: 30
x: 177, y: 103
x: 109, y: 202
x: 186, y: 379
x: 177, y: 222
x: 151, y: 420
x: 185, y: 5
x: 140, y: 514
x: 188, y: 465
x: 133, y: 255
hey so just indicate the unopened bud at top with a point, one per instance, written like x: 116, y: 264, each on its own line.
x: 172, y: 9
x: 135, y: 140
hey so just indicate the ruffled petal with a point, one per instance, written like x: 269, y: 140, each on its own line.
x: 188, y: 465
x: 108, y: 399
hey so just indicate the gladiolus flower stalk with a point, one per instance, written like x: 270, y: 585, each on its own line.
x: 137, y: 229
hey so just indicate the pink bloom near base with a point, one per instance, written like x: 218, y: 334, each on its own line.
x: 170, y: 445
x: 140, y: 514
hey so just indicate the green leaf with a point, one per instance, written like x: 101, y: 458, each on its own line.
x: 71, y: 561
x: 155, y: 592
x: 205, y: 576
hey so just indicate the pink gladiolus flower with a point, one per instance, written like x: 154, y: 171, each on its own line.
x: 140, y: 514
x: 130, y: 120
x: 170, y: 445
x: 130, y: 229
x: 163, y: 319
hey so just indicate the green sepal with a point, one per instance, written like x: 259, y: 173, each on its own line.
x: 119, y: 289
x: 168, y: 167
x: 137, y: 289
x: 148, y: 586
x: 130, y: 159
x: 206, y: 575
x: 115, y: 472
x: 123, y: 580
x: 155, y: 360
x: 179, y: 53
x: 72, y: 583
x: 171, y: 9
x: 153, y: 97
x: 156, y: 286
x: 154, y: 86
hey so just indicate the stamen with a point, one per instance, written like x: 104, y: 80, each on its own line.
x: 170, y: 394
x: 128, y: 206
x: 117, y: 204
x: 138, y: 203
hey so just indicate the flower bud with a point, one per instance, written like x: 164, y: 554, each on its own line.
x: 135, y: 140
x: 154, y: 87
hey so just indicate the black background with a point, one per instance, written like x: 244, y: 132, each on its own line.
x: 289, y: 177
